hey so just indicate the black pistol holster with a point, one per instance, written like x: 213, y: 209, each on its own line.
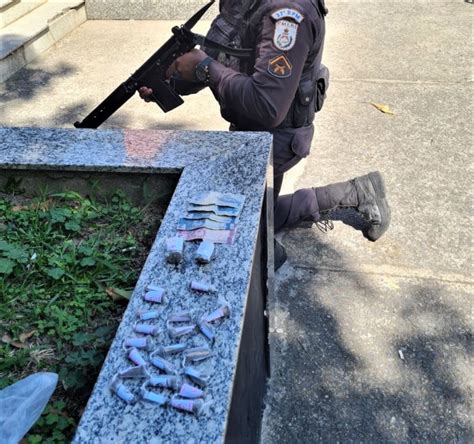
x: 309, y: 99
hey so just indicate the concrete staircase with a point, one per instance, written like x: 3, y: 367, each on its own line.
x: 27, y: 28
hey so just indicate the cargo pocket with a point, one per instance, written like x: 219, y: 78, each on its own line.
x: 303, y: 112
x: 301, y: 143
x: 289, y: 147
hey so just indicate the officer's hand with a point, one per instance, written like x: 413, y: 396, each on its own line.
x: 186, y: 64
x: 145, y: 93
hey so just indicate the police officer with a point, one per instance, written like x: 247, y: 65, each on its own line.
x: 279, y: 90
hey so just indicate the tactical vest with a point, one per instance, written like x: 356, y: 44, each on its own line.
x: 239, y: 24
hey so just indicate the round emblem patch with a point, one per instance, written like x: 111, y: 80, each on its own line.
x: 285, y: 35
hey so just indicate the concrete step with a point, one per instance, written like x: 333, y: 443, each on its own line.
x: 12, y: 10
x: 26, y: 38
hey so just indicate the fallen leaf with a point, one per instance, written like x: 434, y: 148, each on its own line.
x: 18, y: 344
x: 383, y: 108
x: 7, y: 339
x: 45, y: 205
x: 17, y: 208
x: 118, y: 295
x: 27, y: 335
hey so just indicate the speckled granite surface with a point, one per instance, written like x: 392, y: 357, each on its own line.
x: 115, y: 150
x: 225, y: 162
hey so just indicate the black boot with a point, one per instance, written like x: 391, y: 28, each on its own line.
x: 366, y: 194
x: 373, y: 204
x: 279, y: 254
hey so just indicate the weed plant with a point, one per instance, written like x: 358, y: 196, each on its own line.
x: 66, y: 263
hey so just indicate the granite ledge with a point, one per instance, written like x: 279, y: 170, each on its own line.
x: 118, y: 150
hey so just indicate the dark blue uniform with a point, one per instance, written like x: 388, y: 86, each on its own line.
x: 277, y: 90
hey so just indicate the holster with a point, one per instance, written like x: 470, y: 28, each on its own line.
x: 309, y: 100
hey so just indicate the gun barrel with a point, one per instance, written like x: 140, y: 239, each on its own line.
x: 105, y: 109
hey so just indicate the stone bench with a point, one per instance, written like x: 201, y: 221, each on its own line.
x: 200, y: 161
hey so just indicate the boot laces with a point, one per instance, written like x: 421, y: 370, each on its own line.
x: 325, y: 224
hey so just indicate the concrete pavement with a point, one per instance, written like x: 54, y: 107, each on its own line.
x: 370, y: 342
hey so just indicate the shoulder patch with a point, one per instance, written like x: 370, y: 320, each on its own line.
x: 284, y: 37
x: 280, y: 67
x: 288, y: 13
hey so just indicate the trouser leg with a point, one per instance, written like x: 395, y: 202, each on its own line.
x: 308, y: 204
x: 292, y: 209
x: 289, y: 147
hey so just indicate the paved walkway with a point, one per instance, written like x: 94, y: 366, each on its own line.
x: 369, y: 342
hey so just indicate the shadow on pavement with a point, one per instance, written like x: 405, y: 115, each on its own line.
x: 28, y: 82
x: 30, y: 86
x: 355, y: 362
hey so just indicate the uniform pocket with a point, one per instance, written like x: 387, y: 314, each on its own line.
x: 290, y: 146
x: 301, y: 143
x: 303, y: 110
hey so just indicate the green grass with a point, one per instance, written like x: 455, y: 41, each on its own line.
x: 67, y: 265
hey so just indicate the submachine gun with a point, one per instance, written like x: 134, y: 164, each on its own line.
x: 153, y: 72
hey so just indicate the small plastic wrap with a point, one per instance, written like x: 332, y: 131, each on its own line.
x: 155, y: 296
x: 162, y: 364
x: 182, y: 330
x: 171, y: 349
x: 195, y: 406
x: 121, y: 391
x: 145, y: 329
x: 202, y: 287
x: 135, y: 372
x: 205, y: 252
x: 154, y: 287
x: 181, y: 316
x: 222, y: 312
x: 165, y: 381
x: 190, y: 392
x: 174, y: 250
x: 154, y: 398
x: 147, y: 315
x: 143, y: 343
x: 136, y: 357
x: 197, y: 354
x: 207, y: 331
x: 197, y: 376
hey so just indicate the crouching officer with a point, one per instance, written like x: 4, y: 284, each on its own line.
x: 279, y: 90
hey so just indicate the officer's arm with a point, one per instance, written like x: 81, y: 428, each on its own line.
x: 266, y: 95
